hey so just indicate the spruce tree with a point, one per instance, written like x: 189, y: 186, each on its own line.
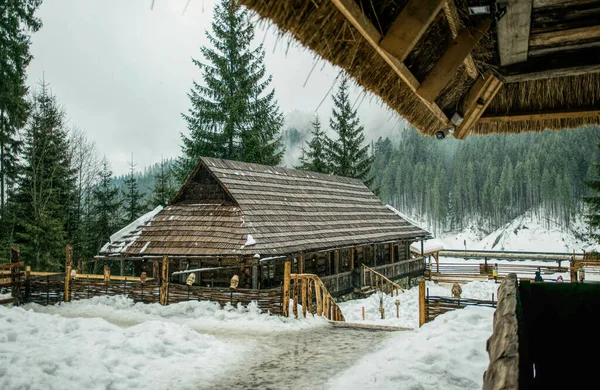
x: 133, y: 201
x: 17, y: 23
x: 163, y: 190
x: 347, y: 155
x: 593, y: 203
x: 105, y: 207
x: 233, y: 116
x: 313, y: 157
x: 45, y: 201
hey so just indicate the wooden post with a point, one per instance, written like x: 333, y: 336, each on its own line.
x: 106, y: 273
x: 304, y: 281
x: 336, y: 262
x: 15, y: 255
x: 287, y: 267
x: 391, y: 253
x: 80, y: 265
x: 573, y: 270
x: 319, y: 296
x: 255, y: 276
x: 300, y: 263
x: 155, y: 270
x: 295, y: 307
x: 363, y: 313
x: 421, y: 303
x: 310, y: 297
x: 352, y: 258
x: 68, y: 267
x: 164, y: 282
x: 326, y: 305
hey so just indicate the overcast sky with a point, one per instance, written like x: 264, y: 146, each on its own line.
x: 122, y: 69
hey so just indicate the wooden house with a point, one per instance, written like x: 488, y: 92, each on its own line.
x: 459, y: 66
x: 232, y: 218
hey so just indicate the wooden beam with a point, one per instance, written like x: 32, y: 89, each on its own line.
x: 422, y: 309
x: 359, y: 20
x: 560, y: 3
x: 557, y: 65
x: 564, y: 36
x: 543, y: 50
x: 453, y: 19
x: 285, y: 305
x: 448, y: 64
x: 479, y: 97
x: 540, y: 116
x: 513, y: 32
x: 409, y: 27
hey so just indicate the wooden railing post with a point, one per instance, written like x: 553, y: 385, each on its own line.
x: 421, y: 303
x: 164, y: 281
x: 319, y: 297
x: 15, y: 288
x: 287, y: 267
x: 295, y: 307
x: 310, y: 283
x: 68, y: 268
x: 304, y: 281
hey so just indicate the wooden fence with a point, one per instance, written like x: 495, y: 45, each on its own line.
x: 432, y: 306
x: 376, y: 281
x: 10, y: 276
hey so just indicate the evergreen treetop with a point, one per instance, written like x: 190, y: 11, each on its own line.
x: 313, y: 157
x: 347, y: 155
x: 232, y: 114
x: 133, y: 201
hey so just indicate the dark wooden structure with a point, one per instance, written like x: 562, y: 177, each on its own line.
x: 231, y: 218
x: 460, y: 66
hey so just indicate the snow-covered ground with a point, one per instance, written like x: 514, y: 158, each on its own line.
x: 525, y: 233
x: 109, y: 342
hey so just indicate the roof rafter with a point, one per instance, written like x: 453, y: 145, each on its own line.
x: 513, y: 32
x: 454, y: 23
x: 479, y: 97
x: 359, y: 20
x: 409, y: 26
x: 540, y: 116
x: 453, y: 57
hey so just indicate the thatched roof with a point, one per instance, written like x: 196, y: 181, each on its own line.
x: 534, y: 65
x: 228, y: 208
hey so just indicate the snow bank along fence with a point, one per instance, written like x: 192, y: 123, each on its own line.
x: 310, y: 292
x: 48, y: 288
x: 432, y: 306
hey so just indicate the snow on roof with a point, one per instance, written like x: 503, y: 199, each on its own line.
x: 405, y: 217
x: 128, y: 230
x: 429, y: 246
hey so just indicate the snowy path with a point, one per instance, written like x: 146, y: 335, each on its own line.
x: 111, y: 343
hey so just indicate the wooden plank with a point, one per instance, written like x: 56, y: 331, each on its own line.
x: 409, y: 27
x: 560, y: 3
x: 564, y: 36
x: 12, y: 265
x: 453, y: 20
x: 557, y: 65
x: 421, y: 303
x: 540, y: 116
x: 476, y: 102
x: 513, y: 32
x: 453, y: 57
x: 358, y: 19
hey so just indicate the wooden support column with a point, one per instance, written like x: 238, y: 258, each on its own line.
x: 513, y: 32
x: 287, y: 267
x: 391, y: 253
x: 409, y: 27
x: 15, y: 257
x: 352, y: 250
x: 155, y: 270
x: 106, y: 274
x: 164, y: 282
x: 477, y: 100
x: 445, y: 69
x: 68, y: 268
x: 300, y: 263
x: 310, y: 283
x: 336, y: 262
x: 421, y: 303
x: 255, y: 276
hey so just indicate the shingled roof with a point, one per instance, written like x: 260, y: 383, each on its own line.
x: 229, y: 208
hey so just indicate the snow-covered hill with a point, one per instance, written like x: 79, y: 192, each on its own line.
x: 525, y: 233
